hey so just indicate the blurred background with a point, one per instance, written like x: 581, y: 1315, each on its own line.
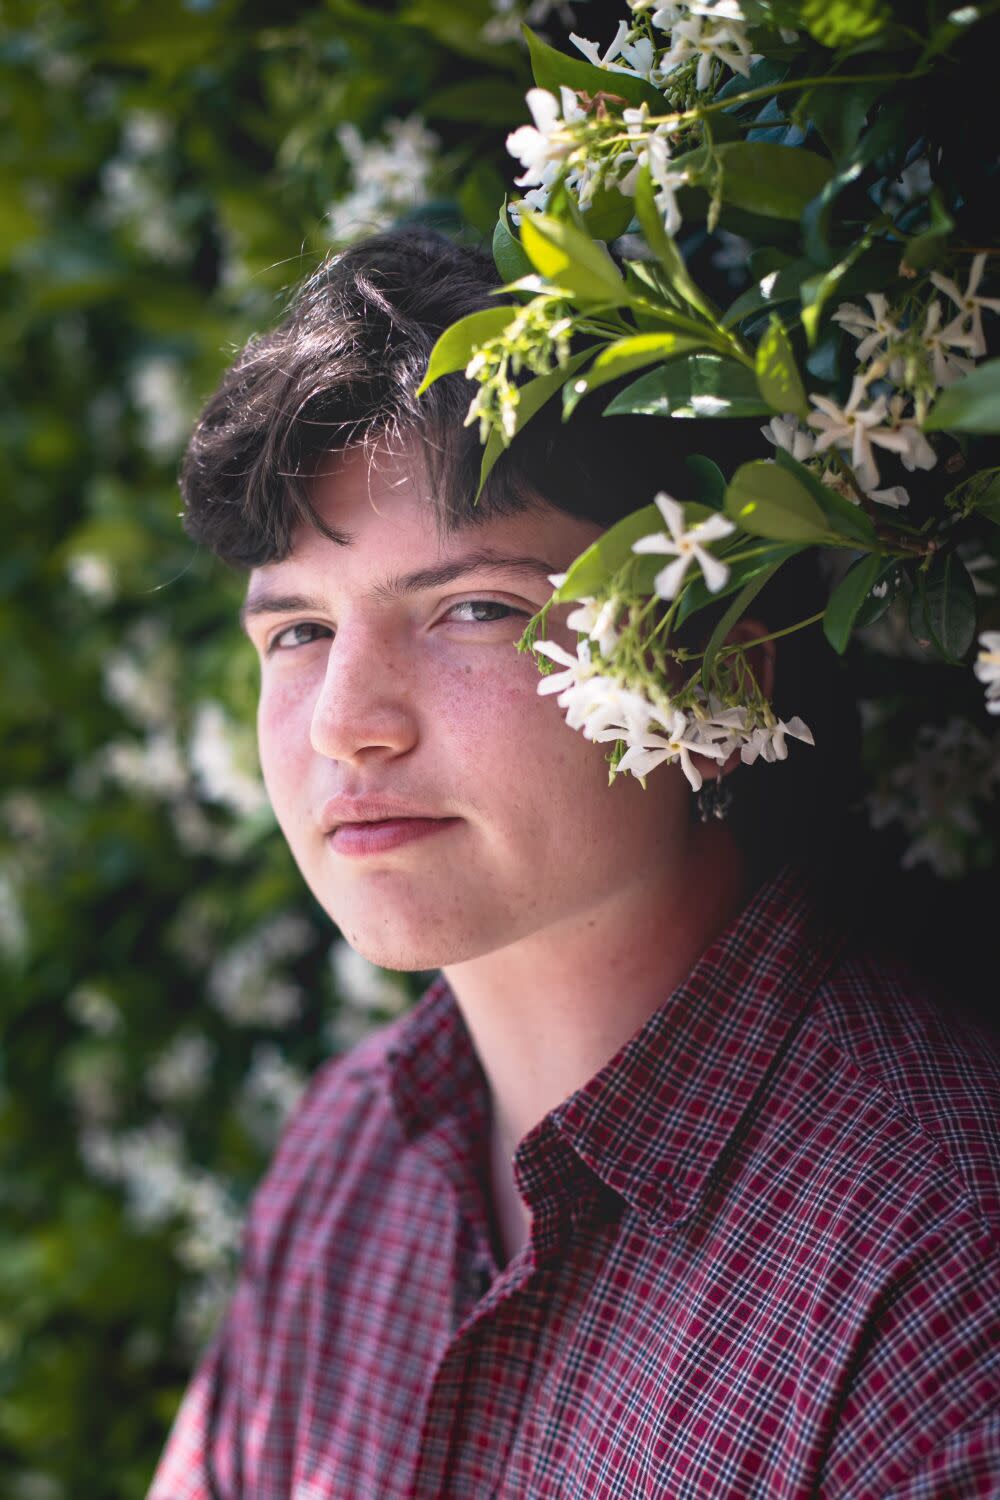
x: 167, y: 984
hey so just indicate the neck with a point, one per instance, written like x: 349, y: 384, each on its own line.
x: 547, y: 1012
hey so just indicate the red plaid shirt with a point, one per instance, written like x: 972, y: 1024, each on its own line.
x: 765, y: 1258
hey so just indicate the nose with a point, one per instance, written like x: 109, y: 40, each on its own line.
x: 365, y: 705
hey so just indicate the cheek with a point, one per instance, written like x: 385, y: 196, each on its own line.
x: 515, y: 742
x: 283, y: 725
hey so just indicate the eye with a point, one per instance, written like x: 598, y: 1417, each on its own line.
x: 505, y: 611
x: 302, y: 625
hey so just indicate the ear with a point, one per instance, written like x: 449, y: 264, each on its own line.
x: 761, y: 660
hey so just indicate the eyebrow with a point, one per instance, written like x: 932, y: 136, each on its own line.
x: 265, y: 602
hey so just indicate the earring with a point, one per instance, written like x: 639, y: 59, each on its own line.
x: 713, y: 798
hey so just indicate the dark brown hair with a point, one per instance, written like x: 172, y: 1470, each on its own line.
x: 341, y: 368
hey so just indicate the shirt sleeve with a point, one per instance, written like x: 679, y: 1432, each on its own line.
x: 965, y: 1466
x: 921, y: 1418
x: 201, y: 1459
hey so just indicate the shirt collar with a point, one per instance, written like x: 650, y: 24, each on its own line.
x: 653, y: 1123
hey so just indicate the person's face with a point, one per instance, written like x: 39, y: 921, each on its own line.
x: 419, y: 696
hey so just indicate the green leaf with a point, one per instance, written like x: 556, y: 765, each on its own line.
x: 971, y: 405
x: 696, y: 595
x: 552, y: 68
x: 847, y: 599
x: 453, y: 349
x: 697, y: 385
x: 924, y: 249
x: 508, y: 256
x: 746, y: 595
x: 835, y: 23
x: 777, y: 286
x: 608, y: 214
x: 987, y: 497
x: 665, y: 249
x: 874, y: 607
x: 777, y: 181
x: 620, y: 358
x: 777, y: 373
x: 943, y: 607
x: 766, y: 500
x: 709, y: 479
x: 571, y: 258
x: 816, y: 290
x: 479, y: 195
x: 588, y: 574
x: 840, y: 114
x: 485, y: 101
x: 847, y: 520
x: 531, y: 397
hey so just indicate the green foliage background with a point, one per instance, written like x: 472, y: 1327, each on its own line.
x: 167, y: 984
x: 168, y: 171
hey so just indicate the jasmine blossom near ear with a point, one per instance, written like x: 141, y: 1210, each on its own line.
x: 769, y: 740
x: 577, y: 667
x: 598, y: 622
x: 687, y: 545
x: 677, y: 743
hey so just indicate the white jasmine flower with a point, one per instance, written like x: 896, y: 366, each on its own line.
x: 940, y: 343
x: 987, y: 668
x: 535, y: 199
x: 872, y: 329
x: 602, y: 708
x: 362, y: 985
x: 269, y: 1093
x: 686, y: 545
x: 726, y: 43
x: 969, y: 305
x: 542, y: 148
x: 578, y: 667
x: 215, y: 751
x: 895, y: 496
x: 160, y: 392
x: 664, y: 17
x: 387, y: 176
x: 616, y: 49
x: 95, y: 1009
x: 654, y: 152
x: 598, y: 622
x: 677, y: 743
x: 770, y: 741
x: 182, y: 1069
x: 92, y: 574
x: 856, y: 430
x: 785, y: 432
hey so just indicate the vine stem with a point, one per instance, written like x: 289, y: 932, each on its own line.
x: 759, y: 639
x: 767, y: 90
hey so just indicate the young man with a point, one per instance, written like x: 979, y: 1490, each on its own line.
x: 667, y: 1186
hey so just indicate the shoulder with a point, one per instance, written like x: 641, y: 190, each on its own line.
x: 928, y: 1074
x: 342, y: 1128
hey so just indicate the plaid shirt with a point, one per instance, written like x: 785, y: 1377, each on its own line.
x: 765, y: 1258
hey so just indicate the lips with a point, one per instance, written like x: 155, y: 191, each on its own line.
x: 340, y: 811
x: 378, y: 836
